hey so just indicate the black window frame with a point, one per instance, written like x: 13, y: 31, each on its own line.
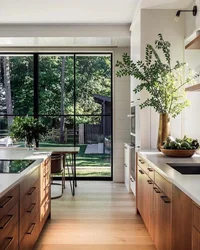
x: 36, y: 99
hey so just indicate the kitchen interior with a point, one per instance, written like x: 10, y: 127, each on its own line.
x: 166, y: 190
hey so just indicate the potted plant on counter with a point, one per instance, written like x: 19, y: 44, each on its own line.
x: 164, y: 82
x: 27, y: 129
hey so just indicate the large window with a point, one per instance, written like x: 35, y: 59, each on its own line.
x: 71, y: 94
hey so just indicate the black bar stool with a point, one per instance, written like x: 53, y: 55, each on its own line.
x: 57, y: 168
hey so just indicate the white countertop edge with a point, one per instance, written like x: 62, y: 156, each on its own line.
x: 15, y: 179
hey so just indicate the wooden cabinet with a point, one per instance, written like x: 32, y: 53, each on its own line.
x: 196, y: 228
x: 162, y: 220
x: 9, y: 220
x: 181, y: 220
x: 45, y: 192
x: 195, y: 239
x: 154, y: 204
x: 24, y: 210
x: 29, y: 208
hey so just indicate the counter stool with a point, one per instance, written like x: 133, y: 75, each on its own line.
x: 57, y: 168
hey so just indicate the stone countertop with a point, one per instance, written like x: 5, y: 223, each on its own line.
x: 7, y: 181
x: 189, y: 184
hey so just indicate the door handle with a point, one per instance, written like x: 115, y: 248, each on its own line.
x: 150, y: 169
x: 125, y: 165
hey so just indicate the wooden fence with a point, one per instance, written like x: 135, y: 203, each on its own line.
x: 90, y: 133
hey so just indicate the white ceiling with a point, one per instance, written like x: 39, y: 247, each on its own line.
x: 67, y: 11
x: 165, y: 4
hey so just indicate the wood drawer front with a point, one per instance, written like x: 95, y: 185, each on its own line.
x: 143, y: 164
x: 8, y: 201
x: 27, y: 184
x: 163, y: 184
x: 31, y: 234
x: 45, y: 211
x: 151, y: 173
x: 11, y: 240
x: 196, y: 217
x: 30, y: 198
x: 8, y: 222
x: 46, y: 192
x: 29, y: 216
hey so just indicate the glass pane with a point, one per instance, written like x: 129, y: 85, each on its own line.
x: 56, y: 136
x: 93, y: 84
x: 56, y: 84
x: 16, y: 85
x: 94, y: 159
x: 6, y: 137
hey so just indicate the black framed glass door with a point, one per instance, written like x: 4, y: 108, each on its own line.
x: 71, y: 93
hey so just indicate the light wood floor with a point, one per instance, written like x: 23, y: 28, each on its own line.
x: 101, y: 216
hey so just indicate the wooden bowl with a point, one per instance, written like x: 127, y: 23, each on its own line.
x: 178, y: 152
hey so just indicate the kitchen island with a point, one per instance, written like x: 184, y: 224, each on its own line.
x: 168, y: 201
x: 25, y: 196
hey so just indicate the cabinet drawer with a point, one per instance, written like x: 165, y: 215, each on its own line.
x: 163, y: 184
x: 28, y: 183
x: 143, y: 164
x: 29, y: 198
x: 45, y: 211
x: 28, y: 216
x: 196, y: 217
x: 10, y: 240
x: 8, y: 222
x: 8, y: 201
x: 31, y: 234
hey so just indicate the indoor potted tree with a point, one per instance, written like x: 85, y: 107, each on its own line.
x: 165, y: 83
x: 28, y: 129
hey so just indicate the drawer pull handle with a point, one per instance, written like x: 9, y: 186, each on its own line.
x: 7, y: 200
x: 150, y: 169
x: 149, y: 181
x: 47, y: 202
x: 141, y: 172
x: 131, y: 179
x: 10, y: 240
x: 125, y: 165
x: 157, y: 190
x: 47, y: 186
x: 6, y: 221
x: 165, y: 199
x: 31, y: 191
x: 141, y: 161
x: 31, y: 208
x: 31, y: 228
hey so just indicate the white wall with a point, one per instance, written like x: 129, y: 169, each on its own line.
x: 121, y: 124
x: 152, y: 23
x: 191, y: 118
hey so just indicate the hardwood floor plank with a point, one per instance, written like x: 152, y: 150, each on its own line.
x: 102, y: 216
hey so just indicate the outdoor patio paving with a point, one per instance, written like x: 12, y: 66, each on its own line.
x: 95, y: 149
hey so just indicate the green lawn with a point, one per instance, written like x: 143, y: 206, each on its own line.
x: 82, y: 159
x: 86, y: 160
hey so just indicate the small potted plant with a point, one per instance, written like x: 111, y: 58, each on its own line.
x: 28, y: 129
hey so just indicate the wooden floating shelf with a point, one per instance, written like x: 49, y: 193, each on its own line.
x: 194, y: 44
x: 194, y: 88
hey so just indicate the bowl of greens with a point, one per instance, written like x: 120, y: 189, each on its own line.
x: 185, y: 147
